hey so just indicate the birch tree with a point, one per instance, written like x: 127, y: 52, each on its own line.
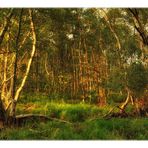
x: 10, y: 93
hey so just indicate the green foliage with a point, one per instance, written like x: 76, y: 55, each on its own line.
x: 116, y: 98
x: 132, y: 46
x: 100, y: 129
x: 137, y: 78
x: 115, y: 83
x: 93, y: 97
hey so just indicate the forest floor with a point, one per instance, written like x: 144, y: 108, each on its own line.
x: 75, y: 121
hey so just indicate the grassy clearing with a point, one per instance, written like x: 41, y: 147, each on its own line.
x: 59, y: 109
x: 82, y: 127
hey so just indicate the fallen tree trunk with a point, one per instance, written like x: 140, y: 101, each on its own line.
x: 21, y: 119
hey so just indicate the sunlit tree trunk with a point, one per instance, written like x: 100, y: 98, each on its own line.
x: 12, y: 107
x: 9, y: 96
x: 7, y: 83
x: 126, y: 102
x: 18, y: 91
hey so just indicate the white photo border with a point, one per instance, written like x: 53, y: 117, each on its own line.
x: 74, y: 3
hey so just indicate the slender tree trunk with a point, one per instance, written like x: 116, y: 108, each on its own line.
x: 31, y: 57
x: 112, y: 30
x: 128, y: 99
x: 16, y: 94
x: 123, y: 106
x: 37, y: 71
x: 3, y: 92
x: 12, y: 107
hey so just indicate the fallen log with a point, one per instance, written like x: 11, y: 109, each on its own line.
x: 20, y: 119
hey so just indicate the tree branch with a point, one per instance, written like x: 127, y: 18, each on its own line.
x: 6, y: 26
x: 139, y: 28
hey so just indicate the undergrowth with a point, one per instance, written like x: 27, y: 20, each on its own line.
x: 99, y: 129
x: 86, y: 123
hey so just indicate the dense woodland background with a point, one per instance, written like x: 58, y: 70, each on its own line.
x: 92, y: 56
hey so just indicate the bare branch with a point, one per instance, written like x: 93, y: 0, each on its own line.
x: 138, y: 25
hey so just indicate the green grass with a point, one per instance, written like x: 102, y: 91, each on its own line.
x: 82, y: 127
x: 62, y: 110
x: 100, y: 129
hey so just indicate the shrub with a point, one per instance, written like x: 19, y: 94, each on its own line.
x: 137, y: 78
x: 116, y: 98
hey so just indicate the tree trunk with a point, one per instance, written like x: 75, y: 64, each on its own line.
x: 13, y: 103
x: 128, y: 99
x: 101, y: 96
x: 2, y: 113
x: 123, y: 106
x: 17, y: 94
x: 8, y: 102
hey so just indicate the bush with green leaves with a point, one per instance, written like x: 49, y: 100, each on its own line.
x: 116, y: 98
x: 116, y: 80
x: 137, y: 78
